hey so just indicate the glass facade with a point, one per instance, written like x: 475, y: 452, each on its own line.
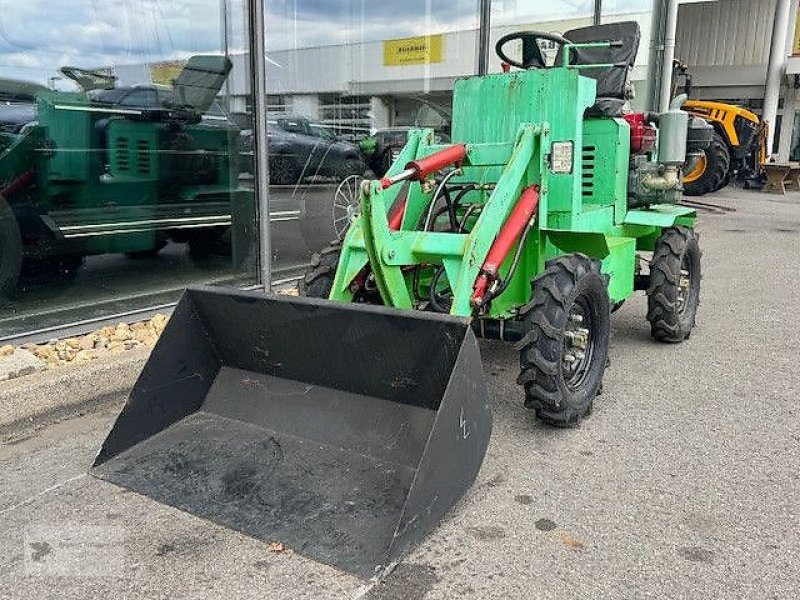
x: 367, y: 72
x: 347, y: 80
x: 128, y: 145
x: 124, y: 171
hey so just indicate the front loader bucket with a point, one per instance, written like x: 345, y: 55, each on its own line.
x: 344, y: 431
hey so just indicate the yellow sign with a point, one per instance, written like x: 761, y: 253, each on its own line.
x: 796, y: 41
x: 164, y: 73
x: 413, y: 51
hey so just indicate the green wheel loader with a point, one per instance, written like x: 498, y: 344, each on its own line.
x: 534, y: 222
x: 87, y: 177
x: 347, y: 425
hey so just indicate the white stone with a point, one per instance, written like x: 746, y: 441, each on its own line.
x: 21, y: 363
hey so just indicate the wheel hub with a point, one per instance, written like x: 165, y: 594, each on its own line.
x: 346, y: 207
x: 684, y: 284
x: 578, y: 344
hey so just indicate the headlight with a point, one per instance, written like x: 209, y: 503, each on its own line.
x: 561, y: 157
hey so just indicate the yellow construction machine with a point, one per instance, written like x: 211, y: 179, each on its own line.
x: 738, y: 148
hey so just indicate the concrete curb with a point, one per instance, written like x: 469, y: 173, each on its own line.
x: 37, y: 399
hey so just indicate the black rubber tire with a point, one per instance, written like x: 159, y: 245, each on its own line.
x: 726, y: 181
x: 354, y: 166
x: 212, y: 241
x: 44, y: 271
x: 10, y: 251
x: 283, y: 170
x: 717, y: 172
x: 318, y: 280
x: 382, y: 163
x: 675, y: 247
x: 566, y: 280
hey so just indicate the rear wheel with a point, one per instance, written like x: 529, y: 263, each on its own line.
x: 43, y: 271
x: 712, y: 171
x: 726, y: 180
x: 673, y: 295
x: 564, y: 350
x: 10, y: 251
x: 212, y: 241
x: 318, y: 280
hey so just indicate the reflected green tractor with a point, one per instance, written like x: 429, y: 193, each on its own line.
x: 89, y: 177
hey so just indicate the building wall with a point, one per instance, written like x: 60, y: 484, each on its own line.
x: 359, y: 68
x: 726, y: 44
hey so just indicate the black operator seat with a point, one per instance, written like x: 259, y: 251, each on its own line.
x: 613, y: 83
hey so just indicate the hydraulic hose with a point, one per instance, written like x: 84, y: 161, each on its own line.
x: 438, y: 191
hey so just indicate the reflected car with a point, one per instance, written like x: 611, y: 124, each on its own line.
x: 14, y: 117
x: 300, y: 148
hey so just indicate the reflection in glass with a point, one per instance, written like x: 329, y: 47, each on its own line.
x: 123, y: 156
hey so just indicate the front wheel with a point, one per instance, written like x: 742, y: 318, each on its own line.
x: 673, y: 295
x: 318, y: 280
x: 10, y: 251
x: 207, y: 241
x: 564, y: 351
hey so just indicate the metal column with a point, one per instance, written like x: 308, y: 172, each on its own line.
x: 791, y: 98
x: 654, y: 56
x: 259, y: 78
x: 598, y: 12
x: 775, y: 69
x: 225, y: 26
x: 484, y: 29
x: 671, y: 25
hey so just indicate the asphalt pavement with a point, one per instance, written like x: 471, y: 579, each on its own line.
x: 683, y: 483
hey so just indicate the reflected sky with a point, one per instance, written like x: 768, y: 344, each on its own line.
x: 39, y: 36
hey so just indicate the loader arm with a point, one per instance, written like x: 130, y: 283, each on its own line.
x: 354, y: 256
x: 372, y: 243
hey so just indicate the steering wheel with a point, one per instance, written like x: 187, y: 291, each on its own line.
x: 531, y: 52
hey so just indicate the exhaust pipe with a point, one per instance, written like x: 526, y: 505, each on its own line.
x: 670, y: 179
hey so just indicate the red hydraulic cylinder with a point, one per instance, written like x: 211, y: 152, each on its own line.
x: 20, y: 183
x: 520, y: 216
x: 419, y: 169
x: 396, y: 218
x: 438, y: 160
